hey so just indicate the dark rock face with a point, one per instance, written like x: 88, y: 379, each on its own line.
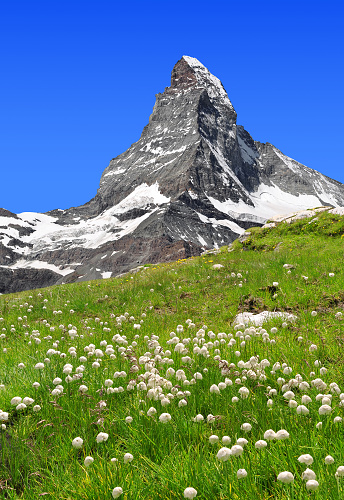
x: 194, y: 180
x: 17, y: 280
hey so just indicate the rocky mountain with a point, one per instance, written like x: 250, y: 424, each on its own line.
x: 194, y: 180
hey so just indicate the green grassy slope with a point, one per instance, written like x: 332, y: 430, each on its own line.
x: 125, y: 340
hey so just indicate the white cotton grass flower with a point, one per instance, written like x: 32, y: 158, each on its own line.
x: 241, y: 473
x: 102, y: 437
x: 223, y: 454
x: 242, y: 442
x: 214, y: 389
x: 152, y: 411
x: 292, y: 403
x: 337, y: 420
x: 21, y: 406
x: 289, y: 395
x: 190, y: 492
x: 88, y: 461
x: 198, y: 418
x: 269, y: 435
x: 259, y: 445
x: 340, y: 471
x: 302, y: 410
x: 165, y: 417
x: 312, y: 485
x: 128, y: 419
x: 285, y: 477
x: 329, y: 460
x: 116, y: 492
x: 246, y: 427
x: 308, y: 474
x: 306, y: 399
x: 305, y: 459
x: 16, y: 400
x: 77, y: 442
x: 39, y: 366
x: 237, y: 450
x: 226, y: 440
x: 128, y: 457
x: 28, y: 401
x: 213, y: 439
x: 282, y: 434
x: 325, y: 410
x: 244, y: 392
x: 36, y: 408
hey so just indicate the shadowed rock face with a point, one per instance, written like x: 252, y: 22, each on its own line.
x: 194, y: 180
x: 17, y: 280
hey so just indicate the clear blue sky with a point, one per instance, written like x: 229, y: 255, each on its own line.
x: 79, y: 78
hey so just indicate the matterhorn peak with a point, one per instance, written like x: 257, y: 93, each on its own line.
x: 189, y: 73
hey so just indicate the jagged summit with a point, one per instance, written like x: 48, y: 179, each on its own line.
x: 188, y: 72
x: 194, y: 180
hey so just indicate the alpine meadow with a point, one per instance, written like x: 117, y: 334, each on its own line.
x: 165, y: 383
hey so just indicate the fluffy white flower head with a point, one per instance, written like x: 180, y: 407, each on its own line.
x: 213, y: 439
x: 312, y: 485
x: 325, y: 410
x: 88, y: 461
x: 16, y: 400
x: 305, y: 459
x: 282, y: 434
x: 165, y: 417
x: 308, y: 474
x: 223, y: 454
x: 237, y: 450
x: 340, y: 471
x: 302, y: 410
x: 269, y: 435
x: 102, y: 437
x: 77, y: 442
x: 241, y: 473
x: 259, y: 445
x: 190, y: 493
x: 116, y: 492
x: 285, y: 477
x: 128, y: 457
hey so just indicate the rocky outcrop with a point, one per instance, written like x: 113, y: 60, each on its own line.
x: 194, y: 180
x: 17, y: 280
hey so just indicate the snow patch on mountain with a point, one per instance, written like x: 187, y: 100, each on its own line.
x: 221, y: 222
x: 268, y: 201
x: 48, y: 234
x: 39, y: 264
x: 141, y: 197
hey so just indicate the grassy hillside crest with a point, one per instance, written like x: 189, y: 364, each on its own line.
x: 141, y: 387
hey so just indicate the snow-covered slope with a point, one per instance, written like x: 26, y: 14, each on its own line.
x: 194, y: 180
